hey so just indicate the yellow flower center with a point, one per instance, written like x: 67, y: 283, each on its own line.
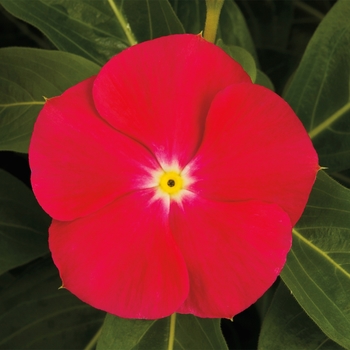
x: 171, y: 182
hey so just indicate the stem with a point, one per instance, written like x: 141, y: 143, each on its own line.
x: 172, y: 331
x: 212, y: 20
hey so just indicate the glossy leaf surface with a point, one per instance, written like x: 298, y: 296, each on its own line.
x: 35, y: 314
x: 286, y: 325
x: 319, y: 92
x: 176, y: 332
x: 23, y: 224
x: 318, y: 265
x: 26, y: 76
x: 97, y: 30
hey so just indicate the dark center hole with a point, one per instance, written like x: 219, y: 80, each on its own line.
x: 171, y: 183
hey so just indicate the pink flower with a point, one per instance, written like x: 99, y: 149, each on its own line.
x: 173, y: 182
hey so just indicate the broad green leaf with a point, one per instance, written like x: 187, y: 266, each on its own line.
x: 150, y: 19
x: 23, y: 224
x: 35, y: 314
x: 191, y: 14
x: 178, y: 332
x: 246, y: 60
x: 262, y: 305
x: 264, y: 80
x: 97, y: 30
x: 232, y: 29
x: 318, y: 265
x: 287, y: 326
x: 319, y: 91
x: 242, y: 56
x: 26, y: 75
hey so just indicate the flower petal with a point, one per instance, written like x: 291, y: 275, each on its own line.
x: 80, y: 163
x: 255, y: 147
x: 159, y: 92
x: 122, y: 259
x: 233, y: 252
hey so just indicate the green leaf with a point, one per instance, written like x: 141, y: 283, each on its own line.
x: 26, y: 75
x: 264, y: 80
x: 35, y: 314
x: 287, y: 326
x: 175, y: 332
x: 318, y: 265
x: 246, y: 60
x: 23, y: 224
x: 242, y: 56
x: 232, y: 29
x: 97, y: 30
x: 191, y: 14
x: 151, y: 19
x: 319, y: 91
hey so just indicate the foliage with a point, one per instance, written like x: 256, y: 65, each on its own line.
x: 310, y: 308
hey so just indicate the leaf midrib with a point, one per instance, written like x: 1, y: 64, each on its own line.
x: 27, y: 103
x: 131, y: 39
x: 321, y: 252
x: 329, y: 121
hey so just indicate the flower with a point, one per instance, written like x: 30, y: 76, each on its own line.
x: 173, y: 182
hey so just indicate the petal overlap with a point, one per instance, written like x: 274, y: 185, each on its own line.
x: 80, y: 163
x: 173, y: 182
x: 123, y: 258
x: 247, y: 241
x: 159, y: 92
x: 254, y: 147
